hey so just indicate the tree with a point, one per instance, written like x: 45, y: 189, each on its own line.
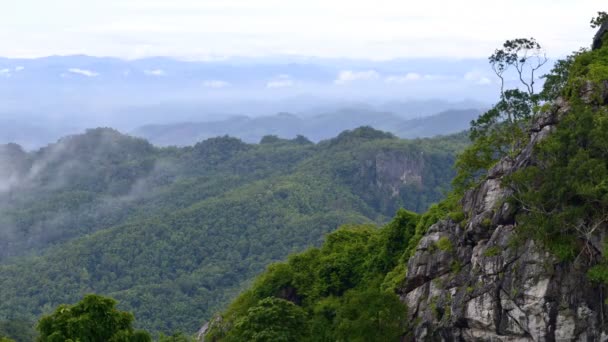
x: 557, y: 78
x: 501, y: 131
x: 371, y: 315
x: 176, y: 337
x: 563, y: 195
x: 272, y: 320
x: 18, y: 330
x: 599, y: 20
x: 93, y: 319
x: 525, y: 55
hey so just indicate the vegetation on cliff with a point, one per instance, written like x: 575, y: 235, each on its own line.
x: 564, y: 194
x: 561, y: 200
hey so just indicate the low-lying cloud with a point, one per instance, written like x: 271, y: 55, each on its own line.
x: 83, y: 72
x: 155, y: 72
x: 282, y: 81
x: 215, y: 84
x: 348, y: 76
x: 477, y: 78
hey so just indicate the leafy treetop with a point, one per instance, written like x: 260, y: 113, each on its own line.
x: 93, y: 319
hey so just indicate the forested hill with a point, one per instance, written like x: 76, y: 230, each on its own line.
x: 516, y: 252
x: 174, y: 233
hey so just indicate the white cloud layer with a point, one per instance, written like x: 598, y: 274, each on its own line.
x: 155, y: 72
x: 378, y: 29
x: 215, y: 84
x: 281, y: 81
x: 83, y: 72
x: 413, y: 76
x: 477, y: 77
x: 348, y: 76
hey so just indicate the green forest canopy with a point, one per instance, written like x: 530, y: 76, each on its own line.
x: 175, y: 233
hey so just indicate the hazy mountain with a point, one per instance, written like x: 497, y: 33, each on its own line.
x: 42, y: 99
x: 316, y: 128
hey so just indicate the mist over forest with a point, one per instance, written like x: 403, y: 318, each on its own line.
x: 303, y: 171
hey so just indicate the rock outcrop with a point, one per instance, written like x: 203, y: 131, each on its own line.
x: 391, y: 170
x: 598, y: 40
x: 467, y: 281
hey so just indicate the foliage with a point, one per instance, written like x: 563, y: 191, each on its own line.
x: 370, y: 315
x: 272, y: 319
x: 525, y: 55
x: 176, y: 337
x: 599, y: 20
x: 338, y: 286
x: 564, y: 196
x: 92, y: 319
x: 19, y: 330
x: 176, y: 233
x: 557, y: 78
x: 492, y: 251
x: 502, y: 130
x: 599, y: 273
x: 444, y: 244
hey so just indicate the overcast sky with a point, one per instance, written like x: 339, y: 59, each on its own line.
x: 371, y: 29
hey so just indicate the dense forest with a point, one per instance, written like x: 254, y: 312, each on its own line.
x: 174, y: 233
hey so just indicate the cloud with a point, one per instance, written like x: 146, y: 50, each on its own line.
x: 215, y: 84
x: 83, y: 72
x: 391, y: 29
x: 155, y: 72
x: 485, y: 80
x: 347, y: 76
x: 477, y: 78
x: 282, y: 81
x: 414, y: 76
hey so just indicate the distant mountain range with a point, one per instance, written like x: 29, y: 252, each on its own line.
x: 43, y: 99
x: 316, y: 128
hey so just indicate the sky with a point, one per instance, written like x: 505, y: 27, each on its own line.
x: 367, y: 29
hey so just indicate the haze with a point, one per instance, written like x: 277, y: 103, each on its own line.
x: 168, y: 62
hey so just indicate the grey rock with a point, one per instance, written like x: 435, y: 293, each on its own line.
x: 487, y: 288
x: 597, y: 40
x: 392, y: 170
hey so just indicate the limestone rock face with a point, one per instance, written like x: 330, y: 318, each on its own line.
x: 486, y: 288
x: 390, y: 171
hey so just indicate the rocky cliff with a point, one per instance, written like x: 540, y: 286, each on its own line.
x: 468, y: 281
x: 390, y: 171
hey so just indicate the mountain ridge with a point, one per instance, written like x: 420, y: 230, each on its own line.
x: 317, y: 127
